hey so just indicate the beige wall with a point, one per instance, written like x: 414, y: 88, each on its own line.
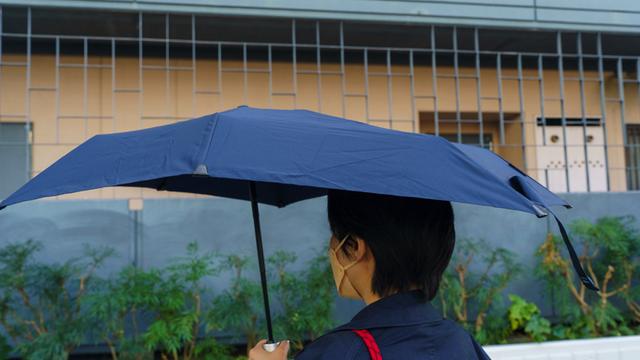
x: 64, y: 118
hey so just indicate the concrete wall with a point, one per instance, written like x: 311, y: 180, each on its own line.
x: 226, y: 226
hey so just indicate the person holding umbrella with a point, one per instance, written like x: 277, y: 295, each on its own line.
x: 389, y: 207
x: 390, y: 252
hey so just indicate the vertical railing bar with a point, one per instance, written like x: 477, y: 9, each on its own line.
x: 113, y: 94
x: 631, y: 156
x: 167, y: 63
x: 270, y: 80
x: 563, y: 117
x: 522, y: 114
x: 583, y: 111
x: 476, y: 45
x: 219, y: 70
x: 389, y: 90
x: 194, y: 68
x: 245, y: 80
x: 456, y: 77
x: 634, y: 151
x: 140, y: 75
x: 343, y: 74
x: 366, y: 83
x: 140, y: 69
x: 630, y: 159
x: 57, y: 80
x: 113, y: 86
x: 621, y: 100
x: 295, y: 63
x: 167, y: 73
x: 541, y: 93
x: 28, y: 124
x: 636, y: 158
x: 500, y: 110
x: 85, y: 84
x: 434, y: 81
x: 546, y: 177
x: 318, y: 66
x: 414, y: 116
x: 603, y: 106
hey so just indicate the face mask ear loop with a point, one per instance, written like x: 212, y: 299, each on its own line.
x: 345, y: 268
x: 344, y: 239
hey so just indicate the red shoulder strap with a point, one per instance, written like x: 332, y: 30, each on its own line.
x: 370, y: 343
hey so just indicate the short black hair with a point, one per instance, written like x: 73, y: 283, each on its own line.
x: 411, y: 239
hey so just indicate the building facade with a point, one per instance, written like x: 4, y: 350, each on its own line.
x: 554, y: 90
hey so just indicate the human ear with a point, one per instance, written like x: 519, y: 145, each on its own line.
x: 360, y: 249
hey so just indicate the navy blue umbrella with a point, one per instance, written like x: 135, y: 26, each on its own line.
x: 279, y: 157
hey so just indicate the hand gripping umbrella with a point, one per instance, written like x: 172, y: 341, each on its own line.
x: 279, y: 157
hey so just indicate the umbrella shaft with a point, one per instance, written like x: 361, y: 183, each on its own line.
x: 261, y: 265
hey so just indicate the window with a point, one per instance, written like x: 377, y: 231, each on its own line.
x: 14, y: 157
x: 632, y: 154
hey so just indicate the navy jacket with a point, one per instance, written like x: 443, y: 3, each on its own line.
x: 404, y: 327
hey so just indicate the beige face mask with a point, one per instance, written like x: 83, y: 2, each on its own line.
x: 343, y: 284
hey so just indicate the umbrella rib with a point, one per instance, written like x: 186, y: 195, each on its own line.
x: 213, y: 123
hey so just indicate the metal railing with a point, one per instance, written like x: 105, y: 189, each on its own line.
x: 465, y: 83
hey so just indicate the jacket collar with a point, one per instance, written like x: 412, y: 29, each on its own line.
x: 401, y: 309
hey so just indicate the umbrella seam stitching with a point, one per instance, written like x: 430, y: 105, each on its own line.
x: 205, y: 151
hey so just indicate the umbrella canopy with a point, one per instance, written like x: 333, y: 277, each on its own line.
x: 292, y: 155
x: 278, y: 157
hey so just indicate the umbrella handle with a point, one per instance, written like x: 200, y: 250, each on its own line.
x: 261, y: 265
x: 270, y: 346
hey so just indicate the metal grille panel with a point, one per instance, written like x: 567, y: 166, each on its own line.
x: 123, y: 71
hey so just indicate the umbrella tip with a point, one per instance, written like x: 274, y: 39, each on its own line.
x: 201, y: 170
x: 540, y: 212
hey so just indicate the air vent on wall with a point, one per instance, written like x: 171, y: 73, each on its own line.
x: 569, y: 121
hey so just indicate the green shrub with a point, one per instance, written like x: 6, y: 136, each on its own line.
x: 464, y: 292
x: 144, y: 311
x: 5, y: 349
x: 306, y: 297
x: 239, y: 309
x: 525, y: 317
x: 610, y: 249
x: 48, y: 309
x: 42, y: 305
